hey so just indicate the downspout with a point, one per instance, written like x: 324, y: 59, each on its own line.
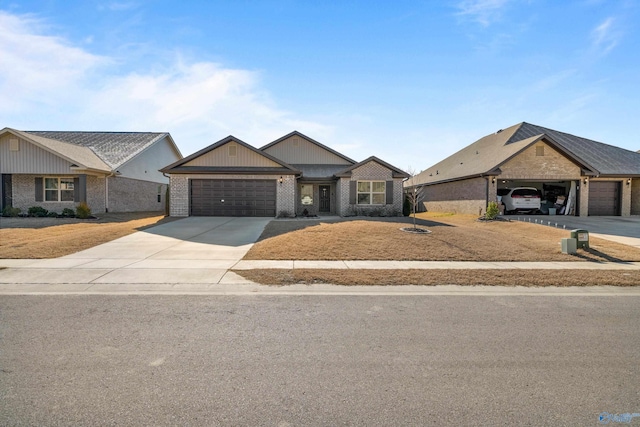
x: 106, y: 191
x: 486, y: 194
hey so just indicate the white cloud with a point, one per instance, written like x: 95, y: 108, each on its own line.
x: 53, y: 85
x: 200, y: 102
x: 38, y: 69
x: 605, y: 36
x: 485, y: 12
x: 118, y: 6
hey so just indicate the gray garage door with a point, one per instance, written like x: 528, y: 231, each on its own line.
x: 233, y: 197
x: 604, y: 198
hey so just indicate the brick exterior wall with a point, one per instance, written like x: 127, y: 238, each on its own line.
x: 635, y: 196
x: 179, y: 192
x: 132, y: 195
x: 551, y: 166
x: 370, y: 171
x: 24, y: 194
x: 467, y: 196
x: 286, y: 196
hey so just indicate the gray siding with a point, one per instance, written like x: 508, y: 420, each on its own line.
x: 30, y: 159
x: 145, y: 165
x: 304, y: 152
x: 220, y: 157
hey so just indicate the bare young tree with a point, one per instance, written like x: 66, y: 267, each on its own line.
x: 413, y: 192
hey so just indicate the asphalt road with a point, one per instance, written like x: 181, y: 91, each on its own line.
x: 317, y: 360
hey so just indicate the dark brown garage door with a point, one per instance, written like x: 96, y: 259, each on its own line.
x: 233, y: 197
x: 604, y: 198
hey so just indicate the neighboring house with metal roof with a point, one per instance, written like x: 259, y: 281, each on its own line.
x: 110, y: 171
x: 291, y: 176
x: 579, y: 176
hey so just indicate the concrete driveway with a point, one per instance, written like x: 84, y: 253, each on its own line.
x: 615, y: 228
x: 194, y: 250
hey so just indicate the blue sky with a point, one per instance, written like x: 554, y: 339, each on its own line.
x: 411, y: 82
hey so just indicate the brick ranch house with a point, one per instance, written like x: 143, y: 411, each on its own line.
x: 291, y: 176
x: 592, y: 177
x: 110, y: 171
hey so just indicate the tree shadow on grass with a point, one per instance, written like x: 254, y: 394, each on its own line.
x: 279, y: 227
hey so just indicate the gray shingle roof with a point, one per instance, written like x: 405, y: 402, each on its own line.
x: 114, y: 148
x: 485, y: 155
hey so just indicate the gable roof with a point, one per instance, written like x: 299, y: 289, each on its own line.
x: 396, y: 173
x: 486, y: 155
x: 80, y: 156
x: 113, y: 148
x: 604, y: 158
x: 313, y: 141
x: 181, y: 167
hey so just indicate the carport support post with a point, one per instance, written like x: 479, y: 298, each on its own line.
x: 491, y: 191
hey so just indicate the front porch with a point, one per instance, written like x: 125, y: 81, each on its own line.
x: 316, y: 198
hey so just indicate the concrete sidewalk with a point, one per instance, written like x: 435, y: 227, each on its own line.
x: 195, y: 255
x: 198, y: 277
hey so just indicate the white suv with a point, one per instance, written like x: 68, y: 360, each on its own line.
x: 521, y: 199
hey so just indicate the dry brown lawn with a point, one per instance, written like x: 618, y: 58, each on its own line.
x: 452, y: 238
x: 445, y: 277
x: 32, y: 238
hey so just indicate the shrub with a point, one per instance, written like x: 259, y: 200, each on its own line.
x: 37, y: 211
x: 285, y: 214
x: 83, y: 211
x: 406, y: 205
x: 10, y: 211
x: 492, y: 211
x: 52, y: 214
x: 68, y: 213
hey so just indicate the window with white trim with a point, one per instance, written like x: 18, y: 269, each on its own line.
x: 371, y: 192
x: 58, y: 189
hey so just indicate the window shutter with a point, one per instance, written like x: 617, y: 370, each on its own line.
x: 76, y: 189
x: 80, y: 188
x: 353, y: 192
x: 39, y: 188
x: 389, y: 192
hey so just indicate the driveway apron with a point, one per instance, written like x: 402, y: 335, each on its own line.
x: 625, y: 230
x: 196, y: 250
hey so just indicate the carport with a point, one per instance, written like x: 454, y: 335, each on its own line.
x: 559, y: 197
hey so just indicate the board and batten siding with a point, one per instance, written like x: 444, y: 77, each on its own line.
x: 29, y: 159
x: 298, y: 151
x: 144, y: 166
x: 220, y: 157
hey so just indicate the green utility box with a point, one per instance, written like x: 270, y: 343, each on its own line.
x: 582, y: 237
x: 569, y: 246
